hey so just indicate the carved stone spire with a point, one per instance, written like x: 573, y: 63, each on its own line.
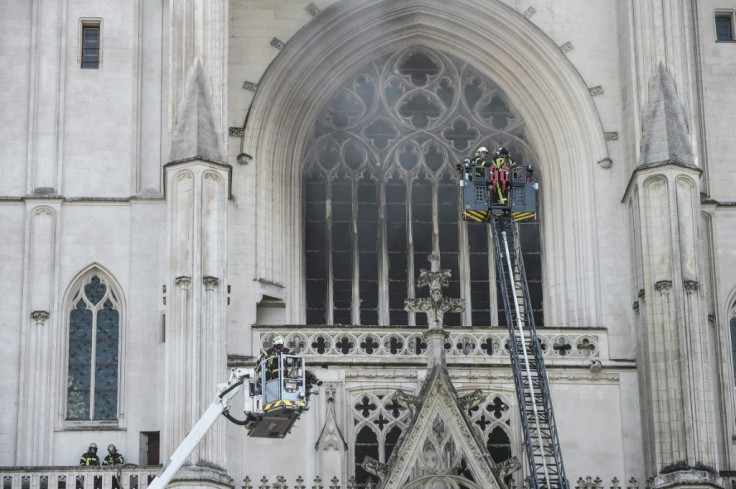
x: 195, y: 135
x: 435, y: 307
x: 666, y: 138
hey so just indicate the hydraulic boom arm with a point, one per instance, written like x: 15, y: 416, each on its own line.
x: 225, y: 392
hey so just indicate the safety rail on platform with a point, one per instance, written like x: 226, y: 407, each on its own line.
x: 78, y: 477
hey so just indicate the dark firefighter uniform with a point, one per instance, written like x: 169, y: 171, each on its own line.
x: 90, y: 457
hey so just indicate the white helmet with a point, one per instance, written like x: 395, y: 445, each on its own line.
x: 278, y: 340
x: 482, y: 149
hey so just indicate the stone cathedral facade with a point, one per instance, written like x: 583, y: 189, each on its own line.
x: 182, y: 180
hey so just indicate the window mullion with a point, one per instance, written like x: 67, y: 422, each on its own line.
x: 410, y: 288
x: 356, y: 260
x: 383, y: 299
x: 463, y: 257
x: 330, y: 299
x: 492, y: 288
x: 93, y: 361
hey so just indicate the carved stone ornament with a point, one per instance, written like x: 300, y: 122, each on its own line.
x: 611, y: 136
x: 40, y: 317
x: 471, y: 400
x: 691, y: 286
x: 663, y: 286
x: 595, y: 366
x: 410, y: 401
x: 244, y: 158
x: 211, y: 282
x: 635, y: 306
x: 529, y: 13
x: 435, y: 306
x: 605, y: 163
x: 313, y: 10
x: 183, y: 282
x: 508, y: 467
x: 250, y: 86
x: 278, y: 43
x: 641, y: 294
x: 236, y: 132
x: 567, y: 47
x: 595, y: 91
x: 373, y: 466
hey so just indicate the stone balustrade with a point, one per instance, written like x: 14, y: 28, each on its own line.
x: 78, y: 477
x: 366, y: 344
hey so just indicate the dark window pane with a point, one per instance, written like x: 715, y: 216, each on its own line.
x: 499, y: 445
x: 316, y: 232
x: 396, y: 192
x: 367, y: 212
x: 342, y: 212
x: 342, y: 265
x: 80, y: 362
x: 422, y: 239
x: 341, y: 236
x: 316, y: 192
x: 392, y: 437
x: 90, y: 46
x: 342, y: 192
x: 724, y: 28
x: 366, y: 445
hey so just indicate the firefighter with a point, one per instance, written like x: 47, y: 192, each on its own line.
x: 271, y: 356
x: 480, y: 158
x: 271, y: 364
x: 113, y: 457
x: 501, y: 165
x: 90, y: 457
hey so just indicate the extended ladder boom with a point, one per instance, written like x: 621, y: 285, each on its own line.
x: 532, y: 389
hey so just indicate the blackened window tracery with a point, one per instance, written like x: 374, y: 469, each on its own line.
x: 381, y: 191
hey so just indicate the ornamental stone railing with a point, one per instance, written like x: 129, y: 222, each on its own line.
x: 405, y: 344
x: 280, y: 482
x: 78, y: 477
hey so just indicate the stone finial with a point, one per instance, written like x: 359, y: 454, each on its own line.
x: 435, y: 306
x: 195, y: 133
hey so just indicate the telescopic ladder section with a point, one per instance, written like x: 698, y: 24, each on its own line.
x: 532, y: 390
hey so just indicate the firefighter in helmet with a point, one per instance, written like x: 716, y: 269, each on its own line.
x: 499, y: 176
x: 113, y: 457
x: 480, y: 157
x: 90, y: 456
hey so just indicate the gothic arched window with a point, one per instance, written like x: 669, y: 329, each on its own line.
x: 93, y: 356
x: 381, y: 191
x: 378, y: 421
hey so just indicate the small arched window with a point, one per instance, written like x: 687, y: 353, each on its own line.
x: 93, y: 355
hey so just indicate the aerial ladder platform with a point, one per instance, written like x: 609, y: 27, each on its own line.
x: 502, y: 210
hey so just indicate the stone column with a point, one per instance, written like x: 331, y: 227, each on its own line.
x: 677, y: 396
x: 39, y: 324
x: 197, y: 183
